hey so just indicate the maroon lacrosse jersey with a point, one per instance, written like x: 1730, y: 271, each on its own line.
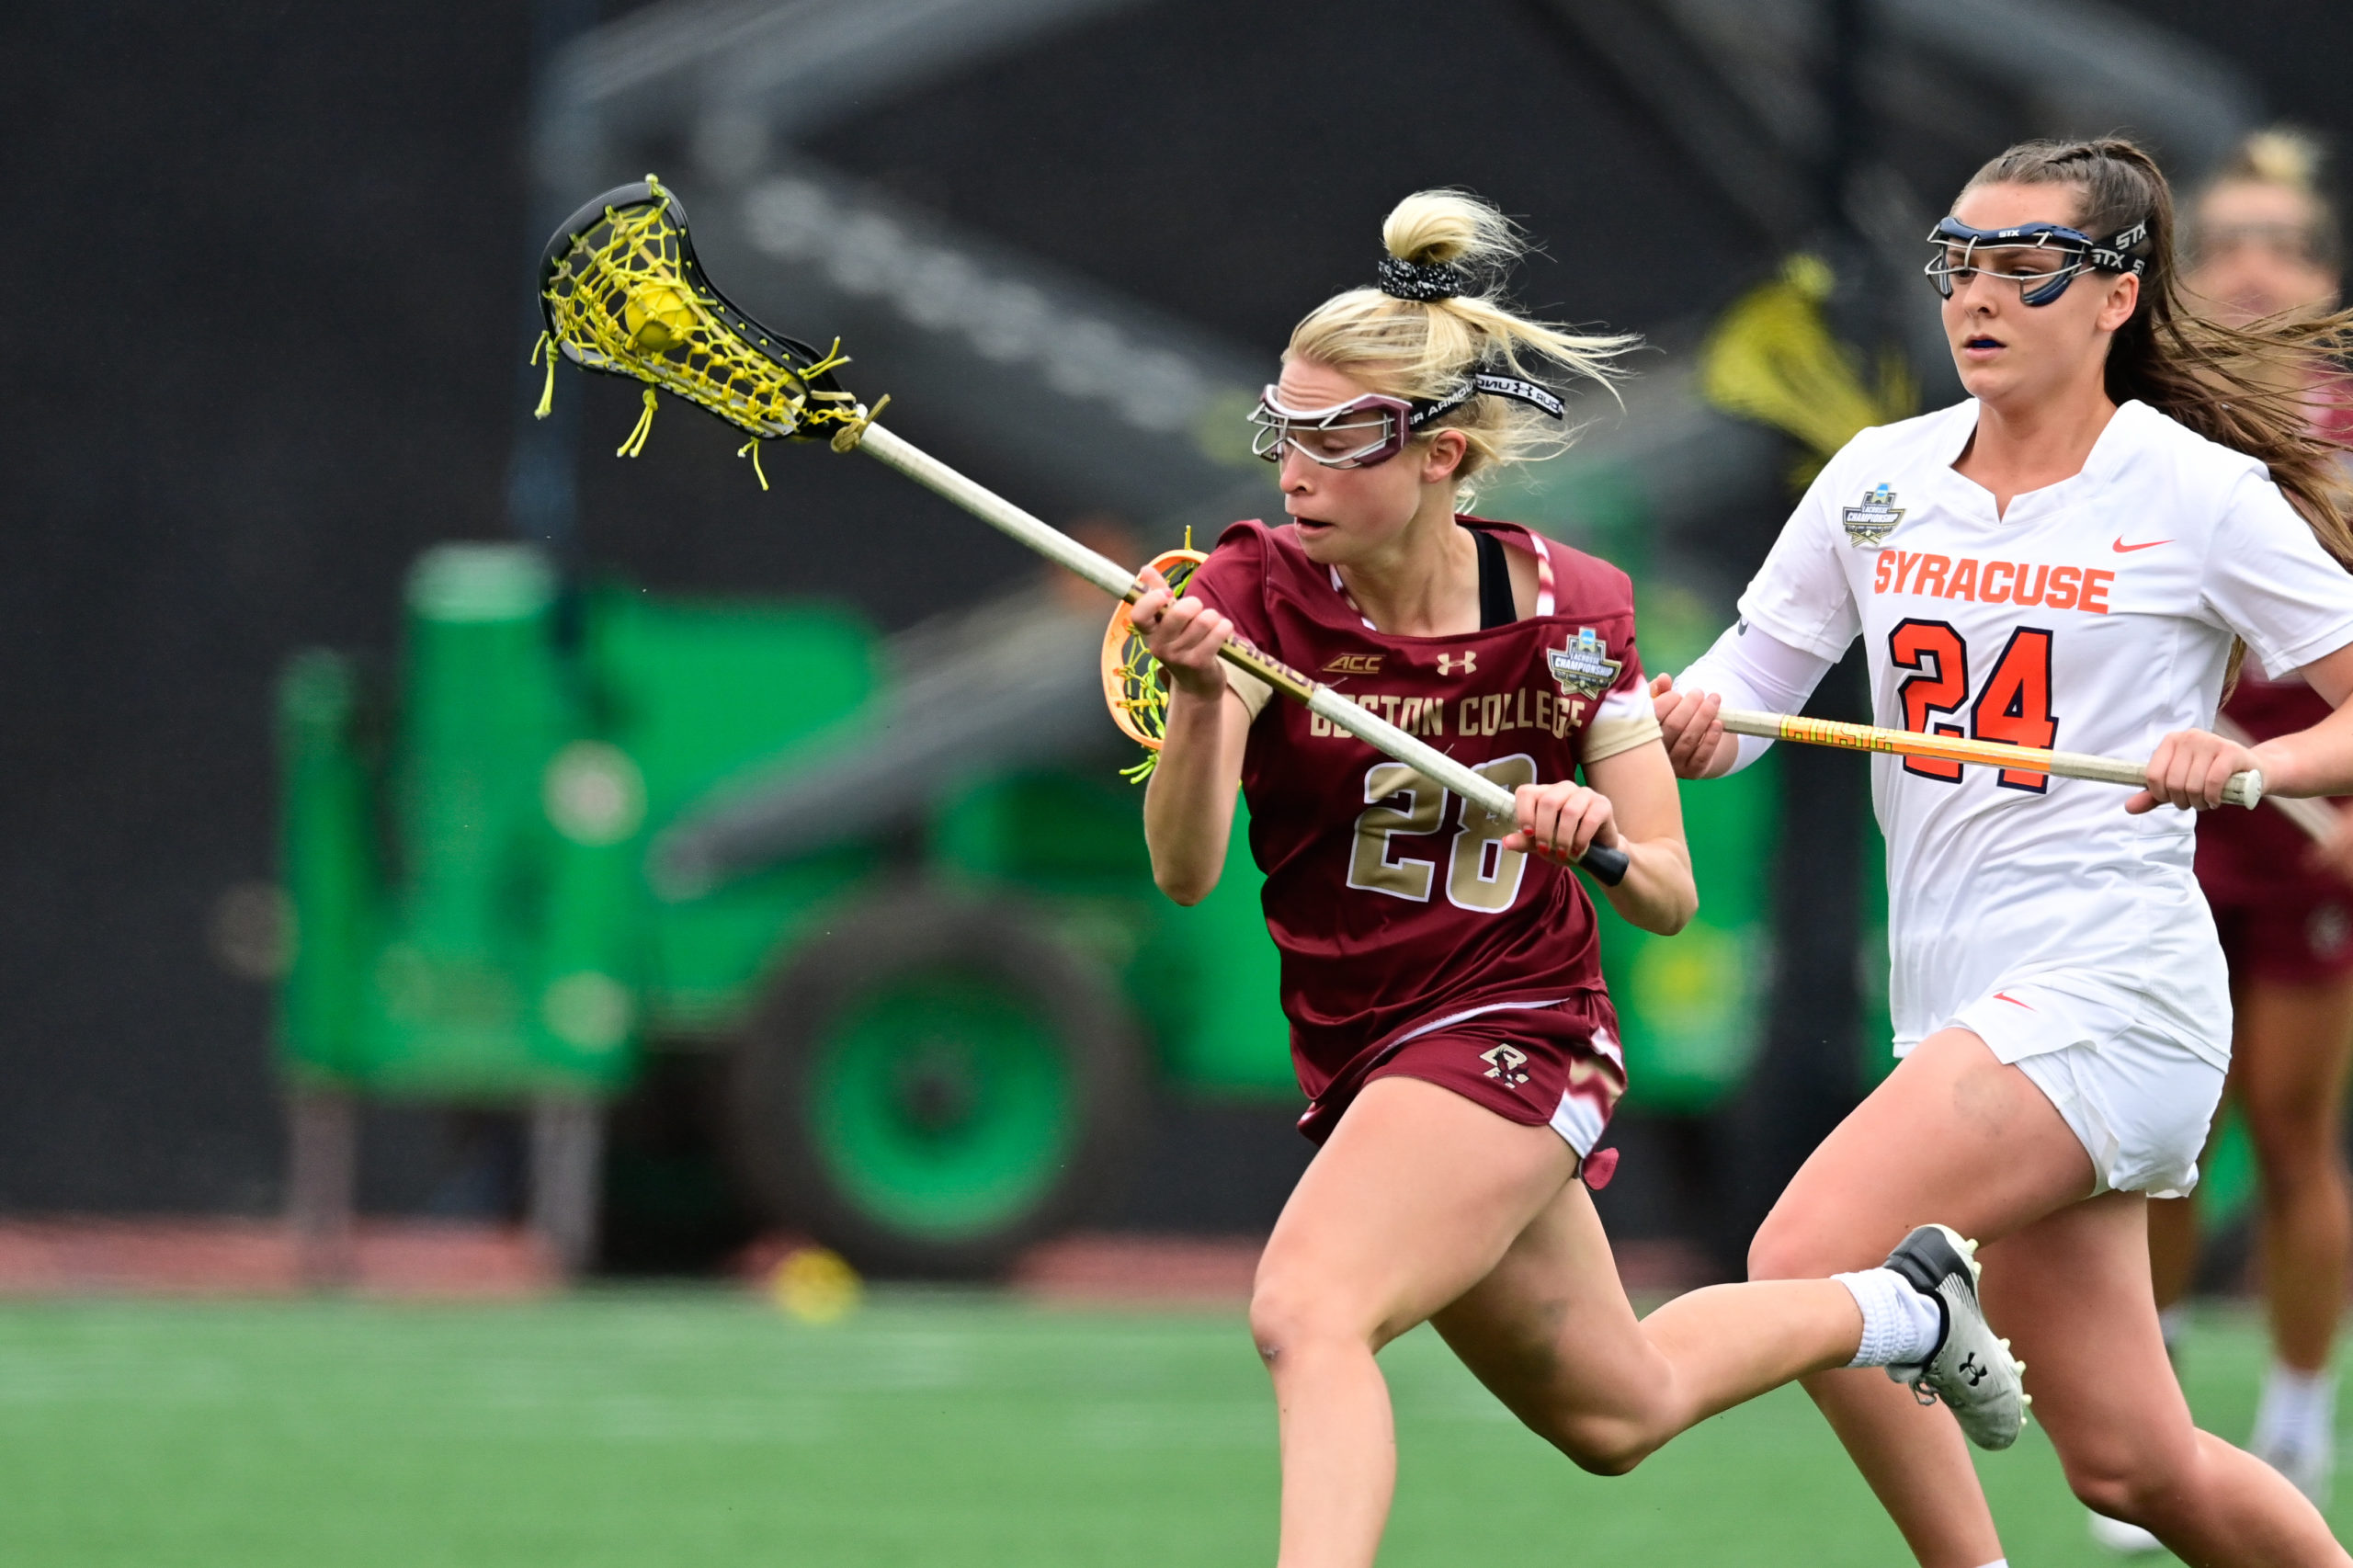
x: 2254, y: 857
x: 2256, y: 860
x: 1396, y: 906
x: 2281, y: 918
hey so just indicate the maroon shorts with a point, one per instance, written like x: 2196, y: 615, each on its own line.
x: 2281, y: 919
x: 1558, y: 1065
x: 2302, y: 935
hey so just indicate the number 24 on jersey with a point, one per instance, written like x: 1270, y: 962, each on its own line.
x: 2012, y: 706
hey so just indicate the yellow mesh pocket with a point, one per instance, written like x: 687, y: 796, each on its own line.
x: 623, y: 294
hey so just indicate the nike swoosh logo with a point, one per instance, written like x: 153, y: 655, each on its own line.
x: 2005, y: 996
x: 2123, y: 548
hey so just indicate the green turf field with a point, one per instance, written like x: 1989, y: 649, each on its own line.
x: 641, y: 1430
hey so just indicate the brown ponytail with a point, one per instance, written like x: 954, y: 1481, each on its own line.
x: 2246, y: 389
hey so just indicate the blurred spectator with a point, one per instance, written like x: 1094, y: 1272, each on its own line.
x: 2263, y: 240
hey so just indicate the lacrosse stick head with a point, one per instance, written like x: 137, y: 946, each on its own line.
x: 623, y: 293
x: 1134, y: 686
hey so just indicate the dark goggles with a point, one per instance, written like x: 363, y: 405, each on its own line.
x: 2041, y: 258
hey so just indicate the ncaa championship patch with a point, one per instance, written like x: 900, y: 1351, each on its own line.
x: 1584, y: 669
x: 1874, y: 519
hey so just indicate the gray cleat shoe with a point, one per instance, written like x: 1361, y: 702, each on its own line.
x: 1972, y: 1371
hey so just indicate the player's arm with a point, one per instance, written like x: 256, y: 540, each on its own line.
x: 1802, y: 591
x: 1629, y: 799
x: 1188, y: 807
x: 2190, y: 766
x: 2267, y: 579
x: 1748, y: 667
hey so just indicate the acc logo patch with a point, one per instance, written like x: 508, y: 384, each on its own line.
x: 1873, y: 521
x: 1584, y: 669
x: 1353, y: 664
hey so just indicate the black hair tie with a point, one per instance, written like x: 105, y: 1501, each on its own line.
x: 1402, y: 280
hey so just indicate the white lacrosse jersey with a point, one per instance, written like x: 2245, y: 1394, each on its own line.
x: 2096, y: 616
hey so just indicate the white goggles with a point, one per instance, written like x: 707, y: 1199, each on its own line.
x: 1373, y: 428
x: 1355, y: 434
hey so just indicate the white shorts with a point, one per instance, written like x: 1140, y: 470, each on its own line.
x: 2137, y: 1097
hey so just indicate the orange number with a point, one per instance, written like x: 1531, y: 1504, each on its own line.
x: 1936, y: 650
x: 2015, y: 707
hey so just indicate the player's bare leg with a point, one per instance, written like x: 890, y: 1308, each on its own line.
x: 2293, y: 1098
x: 1425, y: 1205
x: 2292, y: 1048
x: 1414, y: 1197
x: 1552, y: 1335
x: 2173, y: 1265
x: 2071, y: 1289
x: 2292, y: 1095
x: 2289, y: 1066
x: 2002, y: 1160
x: 2173, y: 1221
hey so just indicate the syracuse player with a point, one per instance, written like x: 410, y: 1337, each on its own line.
x: 1449, y: 1021
x: 2066, y: 559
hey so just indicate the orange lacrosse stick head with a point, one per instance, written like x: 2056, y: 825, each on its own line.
x: 1134, y: 686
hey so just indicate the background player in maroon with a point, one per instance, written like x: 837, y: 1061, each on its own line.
x: 2264, y: 241
x: 1449, y: 1024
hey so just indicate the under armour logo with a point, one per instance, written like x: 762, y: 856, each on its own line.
x: 1447, y: 663
x: 1969, y: 1369
x: 1503, y: 1063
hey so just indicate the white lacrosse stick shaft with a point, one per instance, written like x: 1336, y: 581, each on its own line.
x: 1607, y: 864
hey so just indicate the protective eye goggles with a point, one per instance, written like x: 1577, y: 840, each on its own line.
x: 1373, y: 428
x: 2298, y: 243
x: 2020, y: 255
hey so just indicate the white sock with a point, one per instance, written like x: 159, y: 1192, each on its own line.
x: 1901, y: 1326
x: 1997, y: 1562
x: 2298, y: 1409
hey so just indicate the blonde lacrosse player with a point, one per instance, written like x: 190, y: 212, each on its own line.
x: 2072, y: 558
x: 1449, y: 1024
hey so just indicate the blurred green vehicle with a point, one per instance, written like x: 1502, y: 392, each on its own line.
x: 920, y: 926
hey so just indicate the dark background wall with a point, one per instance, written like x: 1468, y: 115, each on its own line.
x: 267, y: 268
x: 1174, y: 153
x: 261, y: 348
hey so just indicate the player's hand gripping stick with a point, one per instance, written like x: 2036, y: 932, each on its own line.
x: 1607, y: 864
x: 623, y: 293
x: 2244, y: 788
x: 2317, y: 819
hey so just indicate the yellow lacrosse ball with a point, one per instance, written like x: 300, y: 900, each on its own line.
x: 815, y: 1285
x: 658, y: 316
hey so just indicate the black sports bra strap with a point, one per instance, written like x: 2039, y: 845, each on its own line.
x: 1495, y: 606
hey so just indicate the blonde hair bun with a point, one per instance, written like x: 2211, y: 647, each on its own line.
x: 1424, y: 347
x: 1441, y: 228
x: 2278, y: 156
x: 2286, y: 159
